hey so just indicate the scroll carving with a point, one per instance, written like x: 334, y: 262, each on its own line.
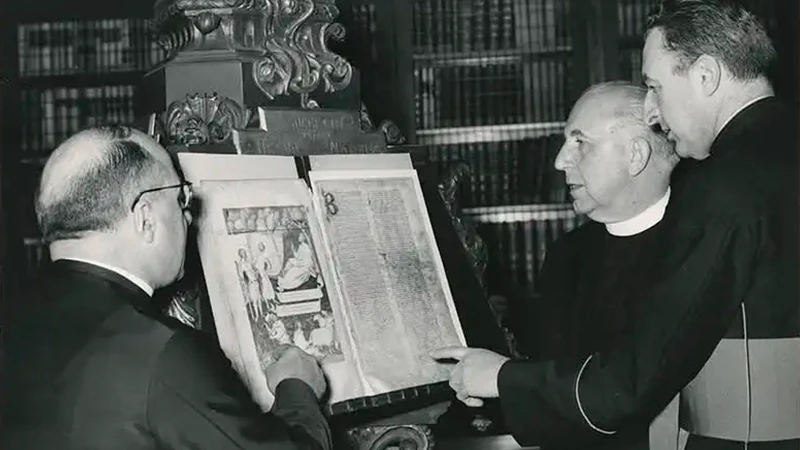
x: 179, y: 22
x: 390, y: 130
x: 296, y: 58
x: 203, y: 119
x: 286, y: 40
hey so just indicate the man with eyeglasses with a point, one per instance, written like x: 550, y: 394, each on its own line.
x: 95, y: 364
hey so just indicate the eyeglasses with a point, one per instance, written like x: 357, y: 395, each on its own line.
x: 184, y: 195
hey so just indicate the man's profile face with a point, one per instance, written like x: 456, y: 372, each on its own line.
x: 672, y: 101
x: 594, y: 158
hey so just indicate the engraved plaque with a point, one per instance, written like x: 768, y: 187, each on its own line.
x: 301, y: 133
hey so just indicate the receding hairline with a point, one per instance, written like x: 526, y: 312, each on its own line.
x: 627, y: 111
x: 625, y: 99
x: 84, y: 151
x: 618, y: 90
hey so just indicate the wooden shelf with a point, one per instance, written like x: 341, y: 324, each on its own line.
x: 36, y: 161
x: 488, y: 133
x: 519, y: 213
x: 487, y: 57
x: 58, y: 10
x: 83, y: 79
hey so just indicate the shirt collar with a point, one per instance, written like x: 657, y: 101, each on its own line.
x: 143, y: 285
x: 735, y: 113
x: 642, y: 221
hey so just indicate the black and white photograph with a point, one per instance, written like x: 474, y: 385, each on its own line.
x: 400, y: 224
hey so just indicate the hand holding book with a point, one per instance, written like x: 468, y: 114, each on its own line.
x: 291, y: 362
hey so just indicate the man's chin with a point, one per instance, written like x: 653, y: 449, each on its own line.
x: 579, y: 206
x: 179, y: 275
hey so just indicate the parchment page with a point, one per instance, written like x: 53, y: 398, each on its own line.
x: 396, y: 294
x: 197, y: 167
x: 379, y: 161
x: 269, y: 281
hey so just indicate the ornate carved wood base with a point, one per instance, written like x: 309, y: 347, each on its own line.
x: 382, y: 437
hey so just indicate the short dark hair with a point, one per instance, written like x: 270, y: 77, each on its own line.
x: 724, y: 29
x: 98, y: 196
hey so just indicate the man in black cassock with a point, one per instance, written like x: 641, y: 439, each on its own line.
x: 724, y: 296
x: 618, y: 171
x: 97, y: 365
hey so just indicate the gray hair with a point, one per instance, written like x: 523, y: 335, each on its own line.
x: 90, y: 181
x: 628, y: 114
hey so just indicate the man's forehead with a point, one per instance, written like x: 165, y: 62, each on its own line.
x: 592, y: 115
x: 653, y: 54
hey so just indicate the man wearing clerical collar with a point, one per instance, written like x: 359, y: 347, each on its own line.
x: 616, y: 167
x: 618, y: 172
x: 718, y: 322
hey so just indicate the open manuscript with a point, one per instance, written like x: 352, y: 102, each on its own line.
x: 346, y: 269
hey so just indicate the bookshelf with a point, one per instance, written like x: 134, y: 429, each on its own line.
x: 493, y: 85
x: 76, y: 65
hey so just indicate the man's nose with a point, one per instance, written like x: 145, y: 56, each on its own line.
x: 652, y: 115
x: 563, y: 159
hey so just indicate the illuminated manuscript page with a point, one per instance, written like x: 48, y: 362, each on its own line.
x: 269, y: 281
x: 390, y: 272
x: 198, y: 167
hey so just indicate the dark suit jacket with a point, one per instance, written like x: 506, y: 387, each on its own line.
x: 99, y: 367
x: 730, y: 236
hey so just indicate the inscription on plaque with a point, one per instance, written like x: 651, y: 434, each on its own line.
x: 301, y: 133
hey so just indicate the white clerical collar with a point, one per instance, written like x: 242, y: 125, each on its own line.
x: 131, y: 277
x: 735, y: 113
x: 642, y: 221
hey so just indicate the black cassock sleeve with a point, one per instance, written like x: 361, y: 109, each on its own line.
x: 707, y: 268
x: 197, y: 401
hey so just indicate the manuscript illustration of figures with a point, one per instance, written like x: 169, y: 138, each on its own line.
x: 257, y: 289
x: 280, y: 280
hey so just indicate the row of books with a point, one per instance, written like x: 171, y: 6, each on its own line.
x: 50, y: 115
x: 86, y: 46
x: 479, y: 25
x: 517, y: 246
x: 364, y: 29
x: 516, y: 92
x: 505, y: 173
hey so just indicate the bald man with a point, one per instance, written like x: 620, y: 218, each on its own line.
x: 98, y: 366
x: 618, y: 172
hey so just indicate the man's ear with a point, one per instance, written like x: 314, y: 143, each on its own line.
x: 640, y: 155
x: 706, y: 74
x: 144, y: 221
